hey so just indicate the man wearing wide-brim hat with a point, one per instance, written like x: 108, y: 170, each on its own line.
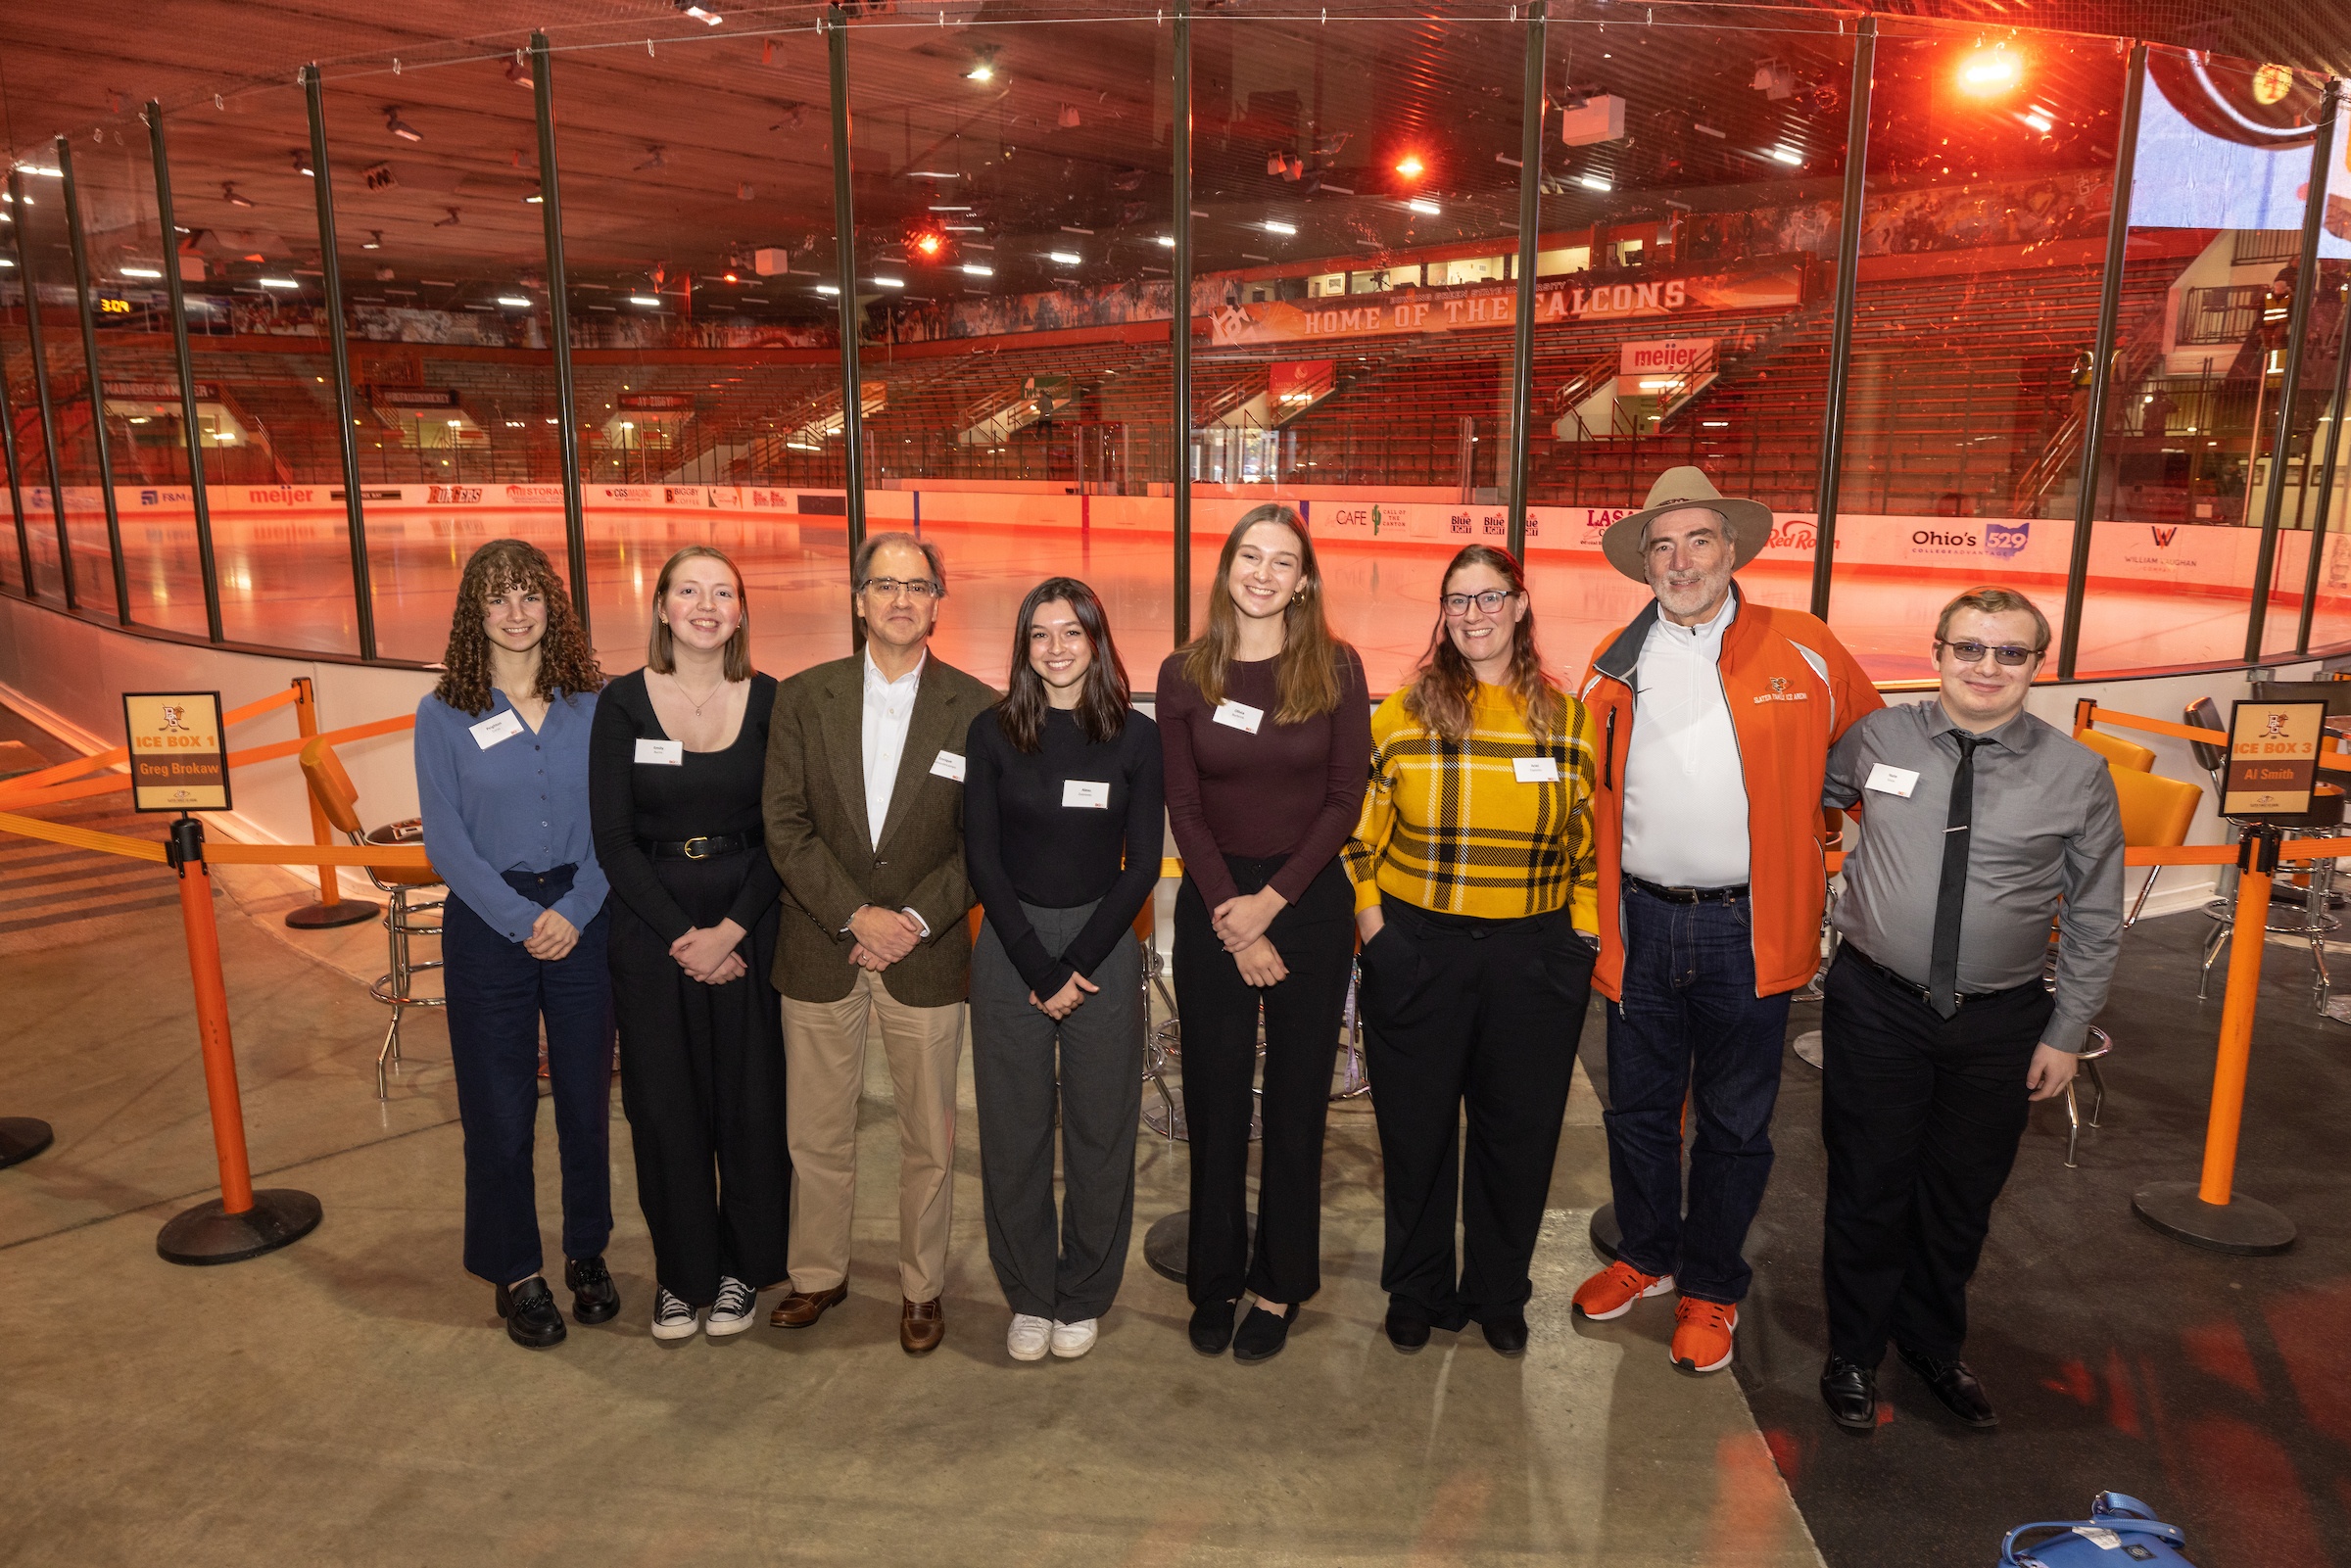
x: 1716, y: 716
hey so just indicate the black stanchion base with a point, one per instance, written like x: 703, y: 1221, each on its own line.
x: 21, y: 1138
x: 1168, y: 1243
x: 2243, y: 1225
x: 326, y: 917
x: 205, y: 1234
x: 1605, y: 1235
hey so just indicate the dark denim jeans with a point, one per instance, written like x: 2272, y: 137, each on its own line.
x: 1691, y: 1021
x: 497, y: 994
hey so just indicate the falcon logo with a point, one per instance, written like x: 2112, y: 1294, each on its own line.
x: 1778, y: 682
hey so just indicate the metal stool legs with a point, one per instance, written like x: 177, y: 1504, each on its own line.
x: 1355, y: 1079
x: 2100, y: 1042
x: 396, y: 988
x: 1162, y: 1045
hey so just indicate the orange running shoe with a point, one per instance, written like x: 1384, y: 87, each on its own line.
x: 1701, y: 1335
x: 1611, y: 1292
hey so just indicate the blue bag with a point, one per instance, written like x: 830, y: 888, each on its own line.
x: 2120, y: 1531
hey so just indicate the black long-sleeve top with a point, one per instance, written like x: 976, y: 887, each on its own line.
x: 1025, y: 845
x: 707, y: 793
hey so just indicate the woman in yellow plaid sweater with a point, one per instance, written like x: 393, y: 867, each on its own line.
x: 1474, y: 872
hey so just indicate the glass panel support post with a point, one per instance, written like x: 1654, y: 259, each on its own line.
x: 40, y: 384
x: 177, y: 296
x: 79, y: 245
x: 339, y: 346
x: 1840, y: 331
x: 2101, y: 374
x: 1180, y: 321
x: 1530, y: 219
x: 2312, y: 569
x: 845, y: 261
x: 2306, y: 278
x: 559, y: 333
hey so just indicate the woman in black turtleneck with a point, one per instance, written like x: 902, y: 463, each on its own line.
x: 1062, y: 830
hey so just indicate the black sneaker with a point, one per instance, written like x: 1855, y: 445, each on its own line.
x: 595, y: 1299
x: 1212, y: 1327
x: 673, y: 1318
x: 532, y: 1318
x: 1262, y: 1335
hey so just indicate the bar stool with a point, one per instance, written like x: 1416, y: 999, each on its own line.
x: 1162, y: 1042
x: 403, y: 909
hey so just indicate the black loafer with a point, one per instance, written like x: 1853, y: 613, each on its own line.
x: 1850, y: 1392
x: 1407, y: 1329
x: 532, y: 1318
x: 1508, y: 1335
x: 1262, y: 1335
x: 1212, y: 1327
x: 595, y: 1299
x: 1955, y: 1386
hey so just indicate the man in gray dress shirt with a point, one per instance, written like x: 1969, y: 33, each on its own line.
x: 1979, y: 825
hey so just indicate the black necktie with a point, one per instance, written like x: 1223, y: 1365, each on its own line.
x: 1943, y: 967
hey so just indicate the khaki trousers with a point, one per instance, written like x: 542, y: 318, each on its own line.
x: 824, y: 1074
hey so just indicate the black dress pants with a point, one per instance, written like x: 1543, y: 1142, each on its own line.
x: 1922, y: 1115
x: 1483, y: 1013
x: 1315, y: 938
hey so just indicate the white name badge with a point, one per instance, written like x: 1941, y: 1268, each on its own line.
x: 1887, y: 778
x: 1239, y: 716
x: 1084, y: 793
x: 1536, y: 770
x: 665, y: 753
x: 498, y: 727
x: 947, y: 765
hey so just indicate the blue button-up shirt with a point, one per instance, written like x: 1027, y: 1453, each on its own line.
x: 520, y: 804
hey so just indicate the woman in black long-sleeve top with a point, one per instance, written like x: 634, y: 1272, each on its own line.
x: 675, y: 766
x: 1062, y: 832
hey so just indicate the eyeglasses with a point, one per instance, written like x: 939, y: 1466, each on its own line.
x: 918, y: 588
x: 1491, y: 600
x: 1973, y: 652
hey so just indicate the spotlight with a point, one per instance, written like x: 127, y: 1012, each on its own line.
x: 1411, y: 166
x: 927, y: 244
x: 302, y: 164
x: 689, y: 8
x: 1989, y: 71
x: 399, y: 127
x: 983, y: 69
x: 517, y: 73
x: 228, y: 193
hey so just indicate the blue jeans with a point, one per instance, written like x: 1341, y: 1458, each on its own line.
x: 497, y: 995
x: 1690, y: 1022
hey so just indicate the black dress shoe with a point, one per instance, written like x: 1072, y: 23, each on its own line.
x: 1262, y: 1335
x: 533, y: 1320
x: 1850, y: 1392
x: 1212, y: 1327
x: 1408, y: 1329
x: 595, y: 1299
x: 1955, y: 1386
x: 1508, y: 1335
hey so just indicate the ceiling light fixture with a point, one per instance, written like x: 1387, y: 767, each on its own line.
x: 399, y: 127
x: 1704, y: 129
x: 973, y: 269
x: 142, y: 273
x: 301, y: 163
x: 1276, y: 226
x: 1065, y: 257
x: 1789, y: 156
x: 41, y: 169
x: 1594, y: 182
x: 519, y: 73
x: 829, y: 288
x: 689, y: 8
x: 1411, y: 166
x: 228, y: 193
x: 950, y: 209
x: 1168, y: 241
x: 1425, y: 208
x: 375, y: 240
x: 892, y: 283
x: 277, y: 283
x: 516, y: 301
x: 644, y: 299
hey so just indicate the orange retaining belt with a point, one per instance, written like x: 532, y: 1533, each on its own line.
x: 116, y: 756
x: 2188, y: 732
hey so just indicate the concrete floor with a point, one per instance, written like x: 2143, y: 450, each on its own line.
x: 350, y: 1400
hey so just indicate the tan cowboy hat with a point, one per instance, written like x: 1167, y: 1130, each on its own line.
x: 1749, y: 520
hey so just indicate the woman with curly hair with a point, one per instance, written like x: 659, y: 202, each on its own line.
x: 501, y: 776
x: 1475, y: 874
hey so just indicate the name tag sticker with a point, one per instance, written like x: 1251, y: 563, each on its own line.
x: 948, y: 765
x: 1239, y: 716
x: 665, y: 753
x: 1536, y: 770
x: 498, y: 727
x: 1084, y: 793
x: 1887, y: 778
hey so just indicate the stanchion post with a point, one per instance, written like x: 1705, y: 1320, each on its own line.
x: 241, y: 1222
x: 332, y: 907
x: 2209, y: 1212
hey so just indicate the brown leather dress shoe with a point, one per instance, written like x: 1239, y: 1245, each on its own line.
x: 921, y: 1326
x: 804, y: 1308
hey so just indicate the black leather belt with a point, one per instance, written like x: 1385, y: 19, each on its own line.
x: 707, y: 848
x: 1690, y: 895
x: 1905, y: 983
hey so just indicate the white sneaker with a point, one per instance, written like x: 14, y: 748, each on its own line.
x: 1025, y: 1341
x: 732, y: 1312
x: 1072, y: 1340
x: 673, y: 1319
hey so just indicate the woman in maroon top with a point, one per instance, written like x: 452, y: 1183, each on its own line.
x: 1265, y: 727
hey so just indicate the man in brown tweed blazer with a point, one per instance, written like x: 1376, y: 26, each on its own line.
x: 864, y: 807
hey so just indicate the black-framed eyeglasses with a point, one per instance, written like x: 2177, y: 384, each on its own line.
x: 918, y: 588
x: 1973, y: 652
x: 1491, y: 600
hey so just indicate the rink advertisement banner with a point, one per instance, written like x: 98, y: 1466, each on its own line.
x: 1476, y: 305
x: 2273, y: 758
x: 177, y: 762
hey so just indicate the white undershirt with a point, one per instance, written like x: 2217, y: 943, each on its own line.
x: 1685, y: 790
x: 888, y: 710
